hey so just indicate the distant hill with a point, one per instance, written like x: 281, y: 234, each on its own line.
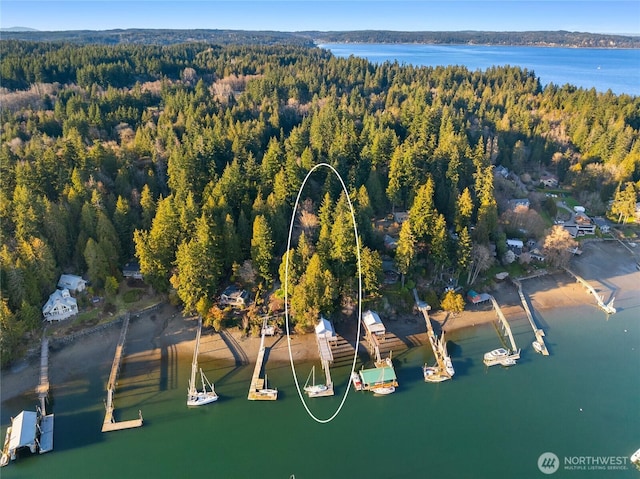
x: 18, y: 29
x: 225, y: 37
x: 162, y: 37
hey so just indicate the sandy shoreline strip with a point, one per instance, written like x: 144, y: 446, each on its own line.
x: 608, y: 266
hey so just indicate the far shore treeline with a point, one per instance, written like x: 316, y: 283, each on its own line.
x: 558, y: 38
x: 188, y: 157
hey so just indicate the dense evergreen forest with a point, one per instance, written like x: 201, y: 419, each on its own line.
x: 188, y: 158
x: 306, y: 38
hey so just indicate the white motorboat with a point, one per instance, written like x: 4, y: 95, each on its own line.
x: 433, y: 375
x: 507, y: 362
x: 357, y: 381
x: 498, y: 356
x: 537, y: 346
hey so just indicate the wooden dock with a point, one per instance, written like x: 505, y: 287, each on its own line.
x: 109, y: 423
x: 258, y: 390
x: 608, y: 307
x: 539, y: 333
x: 502, y: 328
x: 42, y: 390
x: 437, y: 346
x: 326, y: 358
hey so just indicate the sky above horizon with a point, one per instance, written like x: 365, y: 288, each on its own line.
x: 594, y: 16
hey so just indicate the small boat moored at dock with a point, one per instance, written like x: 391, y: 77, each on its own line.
x: 537, y: 346
x: 357, y: 382
x: 314, y: 389
x: 383, y: 390
x: 200, y: 398
x: 432, y: 374
x: 501, y: 356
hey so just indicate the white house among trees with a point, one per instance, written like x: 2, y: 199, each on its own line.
x: 73, y: 283
x: 59, y: 306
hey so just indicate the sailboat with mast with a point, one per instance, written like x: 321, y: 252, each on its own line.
x: 208, y: 394
x: 314, y: 389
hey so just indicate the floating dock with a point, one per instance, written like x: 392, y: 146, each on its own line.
x: 28, y: 430
x: 109, y: 423
x: 258, y: 391
x: 539, y: 333
x: 608, y: 307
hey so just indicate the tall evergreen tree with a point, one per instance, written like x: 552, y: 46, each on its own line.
x: 262, y: 248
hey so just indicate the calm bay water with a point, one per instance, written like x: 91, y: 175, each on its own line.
x: 580, y: 401
x: 602, y: 69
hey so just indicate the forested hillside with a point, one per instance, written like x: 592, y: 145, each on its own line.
x: 188, y: 158
x: 306, y: 38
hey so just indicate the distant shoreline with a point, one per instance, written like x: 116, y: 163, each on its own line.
x: 551, y: 38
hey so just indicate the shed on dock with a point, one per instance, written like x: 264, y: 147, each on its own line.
x: 325, y: 330
x: 23, y: 432
x: 476, y: 298
x: 378, y: 377
x: 373, y: 323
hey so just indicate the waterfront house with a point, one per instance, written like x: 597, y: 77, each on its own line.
x: 60, y: 306
x: 580, y: 225
x: 549, y: 181
x: 602, y: 224
x: 515, y: 245
x: 132, y: 270
x: 232, y: 296
x: 75, y: 284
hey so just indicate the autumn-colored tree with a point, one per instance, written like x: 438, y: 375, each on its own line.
x: 452, y: 301
x: 557, y: 247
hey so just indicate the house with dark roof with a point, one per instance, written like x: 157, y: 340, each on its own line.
x: 233, y: 296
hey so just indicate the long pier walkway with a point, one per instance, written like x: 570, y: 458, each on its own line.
x: 257, y: 390
x: 326, y: 358
x: 43, y: 386
x: 539, y: 333
x: 439, y: 351
x: 608, y: 307
x: 109, y: 423
x: 515, y: 352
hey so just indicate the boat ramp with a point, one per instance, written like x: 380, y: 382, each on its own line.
x: 259, y: 390
x: 606, y: 307
x: 109, y: 423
